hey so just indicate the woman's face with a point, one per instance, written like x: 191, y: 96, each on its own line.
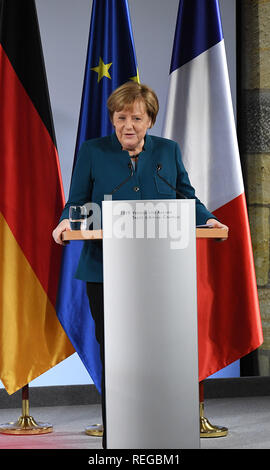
x: 131, y: 125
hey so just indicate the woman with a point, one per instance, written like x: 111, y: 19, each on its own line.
x: 104, y: 168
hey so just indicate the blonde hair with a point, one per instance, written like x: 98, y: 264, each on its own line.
x: 130, y: 92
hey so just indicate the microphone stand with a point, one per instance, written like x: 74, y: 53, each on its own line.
x: 182, y: 196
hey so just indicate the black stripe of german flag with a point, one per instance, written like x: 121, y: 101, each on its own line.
x: 20, y: 39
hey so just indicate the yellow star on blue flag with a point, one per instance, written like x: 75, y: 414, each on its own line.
x: 136, y: 78
x: 102, y: 69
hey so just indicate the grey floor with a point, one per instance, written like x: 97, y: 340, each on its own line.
x: 248, y: 421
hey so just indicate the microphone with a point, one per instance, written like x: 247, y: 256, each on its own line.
x: 159, y: 166
x: 126, y: 180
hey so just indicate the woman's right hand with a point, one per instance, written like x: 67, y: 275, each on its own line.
x: 57, y: 233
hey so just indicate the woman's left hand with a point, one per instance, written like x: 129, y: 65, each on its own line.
x: 216, y: 224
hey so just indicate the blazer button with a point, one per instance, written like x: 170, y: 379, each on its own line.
x: 136, y: 189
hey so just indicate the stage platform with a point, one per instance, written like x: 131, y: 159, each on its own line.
x: 248, y: 420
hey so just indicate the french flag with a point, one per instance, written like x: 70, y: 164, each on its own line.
x: 199, y: 116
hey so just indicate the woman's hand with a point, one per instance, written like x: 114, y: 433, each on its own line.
x: 216, y: 224
x: 57, y: 233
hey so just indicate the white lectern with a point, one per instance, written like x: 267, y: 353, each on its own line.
x: 150, y: 305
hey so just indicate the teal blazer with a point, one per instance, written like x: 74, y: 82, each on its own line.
x: 102, y: 166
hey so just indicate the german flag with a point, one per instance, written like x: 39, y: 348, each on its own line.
x: 31, y: 201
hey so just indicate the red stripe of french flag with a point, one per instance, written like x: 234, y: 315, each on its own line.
x: 199, y: 116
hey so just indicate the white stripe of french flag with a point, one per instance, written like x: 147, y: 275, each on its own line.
x: 199, y: 116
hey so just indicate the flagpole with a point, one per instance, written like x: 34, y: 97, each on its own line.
x: 26, y: 424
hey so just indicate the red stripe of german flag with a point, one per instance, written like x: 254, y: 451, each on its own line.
x: 31, y: 200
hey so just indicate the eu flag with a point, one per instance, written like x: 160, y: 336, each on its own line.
x: 110, y: 62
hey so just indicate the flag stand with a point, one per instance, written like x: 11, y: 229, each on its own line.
x: 26, y: 425
x: 208, y: 430
x: 95, y: 430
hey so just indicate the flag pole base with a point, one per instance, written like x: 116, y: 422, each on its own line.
x: 26, y: 425
x: 208, y: 430
x: 95, y: 430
